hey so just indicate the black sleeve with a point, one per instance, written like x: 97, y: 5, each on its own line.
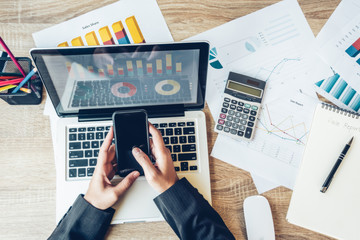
x: 189, y: 214
x: 83, y: 221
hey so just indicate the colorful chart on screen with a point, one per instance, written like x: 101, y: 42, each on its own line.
x: 117, y: 80
x: 118, y: 90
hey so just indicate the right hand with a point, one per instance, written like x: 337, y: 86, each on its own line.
x: 161, y: 175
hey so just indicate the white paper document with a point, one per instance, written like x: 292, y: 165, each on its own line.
x: 272, y: 50
x: 338, y: 43
x: 123, y: 22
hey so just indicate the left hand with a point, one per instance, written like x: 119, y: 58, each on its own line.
x: 102, y: 194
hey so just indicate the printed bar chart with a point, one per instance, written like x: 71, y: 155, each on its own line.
x: 356, y: 103
x: 348, y: 95
x: 91, y: 39
x: 339, y: 89
x: 106, y: 36
x: 134, y: 29
x: 64, y: 44
x: 120, y: 33
x: 77, y: 42
x: 354, y: 49
x: 330, y: 82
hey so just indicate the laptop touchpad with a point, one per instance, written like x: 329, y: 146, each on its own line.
x: 137, y: 204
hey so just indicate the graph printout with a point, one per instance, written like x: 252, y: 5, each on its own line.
x: 342, y: 52
x: 271, y: 50
x: 338, y: 44
x: 123, y: 22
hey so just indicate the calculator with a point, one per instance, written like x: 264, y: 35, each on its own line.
x: 240, y: 106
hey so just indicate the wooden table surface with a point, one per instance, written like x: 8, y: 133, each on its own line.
x: 27, y: 170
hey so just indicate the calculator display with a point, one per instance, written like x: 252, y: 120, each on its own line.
x: 244, y: 88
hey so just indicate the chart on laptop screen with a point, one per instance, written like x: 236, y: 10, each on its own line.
x: 128, y: 79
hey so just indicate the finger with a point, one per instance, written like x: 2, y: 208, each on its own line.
x: 126, y: 183
x: 108, y: 140
x: 156, y: 136
x: 143, y: 160
x: 105, y: 158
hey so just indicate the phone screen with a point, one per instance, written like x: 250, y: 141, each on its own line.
x: 130, y: 129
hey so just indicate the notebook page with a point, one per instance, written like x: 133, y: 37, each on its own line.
x: 335, y: 213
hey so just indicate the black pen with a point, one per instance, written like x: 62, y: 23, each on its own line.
x: 330, y: 177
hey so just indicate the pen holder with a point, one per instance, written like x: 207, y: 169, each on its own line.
x: 8, y: 68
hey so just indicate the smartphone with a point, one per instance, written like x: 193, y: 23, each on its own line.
x: 130, y: 129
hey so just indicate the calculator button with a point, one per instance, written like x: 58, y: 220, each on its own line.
x: 228, y: 123
x: 181, y: 124
x: 237, y: 114
x: 172, y: 124
x: 253, y: 113
x: 225, y: 104
x: 223, y: 116
x: 233, y: 131
x: 240, y: 133
x: 231, y: 112
x: 250, y: 124
x: 221, y: 121
x: 235, y: 125
x: 224, y: 110
x: 239, y: 109
x: 244, y: 116
x: 242, y: 128
x: 237, y: 120
x: 190, y: 124
x: 234, y: 101
x: 227, y: 99
x: 230, y: 118
x: 254, y: 107
x: 240, y: 103
x: 226, y: 129
x: 246, y: 110
x: 72, y: 130
x: 247, y: 105
x: 251, y: 118
x: 232, y: 106
x: 243, y: 122
x: 219, y: 127
x: 248, y: 132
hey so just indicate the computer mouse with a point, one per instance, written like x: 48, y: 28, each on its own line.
x: 258, y: 218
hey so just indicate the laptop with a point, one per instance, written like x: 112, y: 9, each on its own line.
x: 87, y: 84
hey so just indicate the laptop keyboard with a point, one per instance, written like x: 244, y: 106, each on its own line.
x: 84, y: 143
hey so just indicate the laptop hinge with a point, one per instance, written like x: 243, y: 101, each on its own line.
x: 94, y: 117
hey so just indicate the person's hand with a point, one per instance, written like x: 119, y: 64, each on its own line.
x: 162, y: 175
x: 102, y: 194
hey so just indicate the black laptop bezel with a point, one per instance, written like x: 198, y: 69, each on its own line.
x: 153, y: 111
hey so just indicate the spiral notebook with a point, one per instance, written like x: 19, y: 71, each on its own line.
x: 335, y: 213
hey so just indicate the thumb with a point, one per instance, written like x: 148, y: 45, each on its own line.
x: 143, y: 160
x: 126, y: 183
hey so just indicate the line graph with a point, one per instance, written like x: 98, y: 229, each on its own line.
x: 276, y: 69
x: 284, y: 129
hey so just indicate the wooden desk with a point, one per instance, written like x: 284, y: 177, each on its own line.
x: 27, y: 171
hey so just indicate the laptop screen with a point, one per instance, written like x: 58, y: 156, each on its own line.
x: 126, y: 76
